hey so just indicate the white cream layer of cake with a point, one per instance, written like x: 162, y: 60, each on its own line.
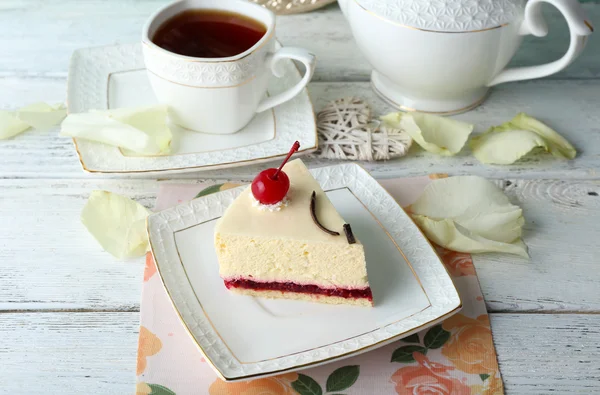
x: 286, y: 245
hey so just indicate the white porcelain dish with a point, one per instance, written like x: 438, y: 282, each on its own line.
x: 443, y: 56
x: 244, y: 337
x: 115, y: 76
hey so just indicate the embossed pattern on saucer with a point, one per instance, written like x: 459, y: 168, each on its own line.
x: 115, y: 76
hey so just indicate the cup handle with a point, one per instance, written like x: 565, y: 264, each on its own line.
x: 535, y: 24
x: 299, y: 54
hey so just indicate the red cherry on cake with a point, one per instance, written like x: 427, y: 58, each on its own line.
x: 268, y: 189
x: 270, y: 186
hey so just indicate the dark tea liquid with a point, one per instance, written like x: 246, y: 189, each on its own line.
x: 208, y: 33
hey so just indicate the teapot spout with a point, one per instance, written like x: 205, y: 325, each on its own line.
x: 344, y: 7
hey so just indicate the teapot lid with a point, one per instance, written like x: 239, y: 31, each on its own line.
x: 446, y: 15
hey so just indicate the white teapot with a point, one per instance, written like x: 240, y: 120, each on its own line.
x: 442, y: 56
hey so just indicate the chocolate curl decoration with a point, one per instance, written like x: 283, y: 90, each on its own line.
x: 313, y: 214
x: 349, y: 234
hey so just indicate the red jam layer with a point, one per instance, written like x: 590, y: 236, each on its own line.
x: 307, y: 289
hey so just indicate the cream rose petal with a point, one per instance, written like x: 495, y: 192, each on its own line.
x: 117, y: 223
x: 504, y: 148
x: 140, y: 130
x: 39, y: 116
x: 452, y: 236
x: 10, y: 125
x: 42, y: 116
x: 438, y: 135
x: 557, y: 144
x: 509, y: 142
x: 469, y: 214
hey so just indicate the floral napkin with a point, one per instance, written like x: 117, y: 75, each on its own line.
x: 456, y: 357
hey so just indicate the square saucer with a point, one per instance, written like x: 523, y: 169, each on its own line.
x: 245, y: 337
x: 115, y: 76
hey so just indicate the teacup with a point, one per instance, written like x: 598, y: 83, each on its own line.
x: 442, y: 56
x: 219, y: 95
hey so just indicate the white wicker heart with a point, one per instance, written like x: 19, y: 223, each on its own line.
x: 346, y: 131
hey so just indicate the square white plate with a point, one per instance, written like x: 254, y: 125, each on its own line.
x: 245, y: 337
x: 115, y: 76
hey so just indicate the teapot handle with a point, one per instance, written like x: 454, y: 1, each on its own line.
x: 535, y: 24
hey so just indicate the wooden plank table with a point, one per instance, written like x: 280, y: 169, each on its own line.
x: 69, y: 311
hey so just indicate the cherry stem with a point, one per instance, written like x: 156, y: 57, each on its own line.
x: 295, y: 148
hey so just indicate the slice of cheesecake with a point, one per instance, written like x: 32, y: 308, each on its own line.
x: 280, y: 251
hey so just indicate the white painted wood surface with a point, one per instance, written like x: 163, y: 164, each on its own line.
x: 94, y: 353
x: 39, y: 36
x: 68, y: 310
x: 571, y: 107
x: 58, y: 265
x: 34, y: 61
